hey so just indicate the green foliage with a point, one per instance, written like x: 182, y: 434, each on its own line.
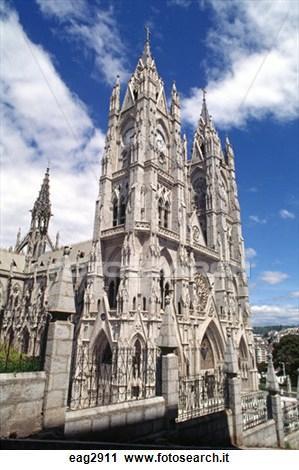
x: 287, y: 351
x: 13, y: 361
x: 262, y: 367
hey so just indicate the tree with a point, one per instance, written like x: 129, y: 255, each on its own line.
x: 287, y: 351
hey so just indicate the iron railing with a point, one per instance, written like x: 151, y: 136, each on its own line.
x: 254, y: 409
x: 200, y: 395
x: 290, y: 417
x: 120, y: 378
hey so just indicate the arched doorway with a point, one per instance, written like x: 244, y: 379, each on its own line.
x: 102, y: 359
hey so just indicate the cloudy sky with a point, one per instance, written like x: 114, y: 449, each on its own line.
x: 59, y: 61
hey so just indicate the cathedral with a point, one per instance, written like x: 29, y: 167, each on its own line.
x: 166, y: 254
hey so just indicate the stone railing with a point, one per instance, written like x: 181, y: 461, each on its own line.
x: 290, y: 417
x: 113, y: 231
x: 254, y: 409
x: 168, y: 233
x: 200, y: 395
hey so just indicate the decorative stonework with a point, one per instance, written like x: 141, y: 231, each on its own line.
x: 202, y: 290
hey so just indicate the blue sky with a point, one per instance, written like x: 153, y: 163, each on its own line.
x: 59, y: 62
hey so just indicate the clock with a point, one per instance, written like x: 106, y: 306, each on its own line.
x: 128, y: 136
x: 160, y: 142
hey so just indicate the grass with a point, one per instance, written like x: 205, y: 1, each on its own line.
x: 16, y: 361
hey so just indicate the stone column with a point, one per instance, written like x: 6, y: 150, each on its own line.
x: 57, y: 368
x: 167, y: 342
x: 274, y: 402
x: 233, y: 392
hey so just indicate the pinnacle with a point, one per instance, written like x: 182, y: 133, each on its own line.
x: 204, y: 109
x: 42, y: 203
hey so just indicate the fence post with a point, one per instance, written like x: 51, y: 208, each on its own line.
x: 274, y: 402
x: 59, y: 346
x: 233, y: 391
x: 57, y: 368
x: 167, y: 342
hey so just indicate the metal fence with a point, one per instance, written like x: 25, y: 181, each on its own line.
x: 121, y: 377
x: 290, y: 417
x: 254, y: 409
x: 200, y: 395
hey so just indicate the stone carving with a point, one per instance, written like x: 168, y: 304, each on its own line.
x: 202, y: 290
x: 196, y: 233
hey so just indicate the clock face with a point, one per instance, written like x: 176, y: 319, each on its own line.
x: 128, y: 136
x: 160, y: 142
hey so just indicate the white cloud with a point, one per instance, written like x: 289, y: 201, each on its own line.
x: 273, y: 277
x: 93, y: 28
x: 275, y: 314
x: 42, y: 121
x: 253, y: 68
x: 250, y: 253
x: 295, y: 294
x: 285, y: 214
x: 256, y: 219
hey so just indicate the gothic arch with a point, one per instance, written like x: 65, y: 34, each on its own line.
x: 102, y: 349
x: 243, y: 350
x: 211, y: 337
x: 163, y: 129
x: 166, y: 261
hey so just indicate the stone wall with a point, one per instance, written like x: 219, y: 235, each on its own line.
x: 211, y: 430
x: 263, y: 435
x: 142, y: 416
x: 292, y: 440
x: 21, y: 403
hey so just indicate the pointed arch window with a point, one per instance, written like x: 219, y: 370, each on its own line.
x: 206, y: 354
x: 166, y: 214
x: 122, y: 211
x: 167, y: 290
x: 144, y: 303
x: 111, y: 294
x: 160, y: 211
x: 136, y: 369
x: 115, y: 212
x: 162, y: 279
x: 25, y: 342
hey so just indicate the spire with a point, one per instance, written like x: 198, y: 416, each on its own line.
x: 204, y: 109
x: 18, y: 239
x: 147, y: 48
x: 41, y: 211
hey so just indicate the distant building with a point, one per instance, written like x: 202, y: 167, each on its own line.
x: 261, y: 346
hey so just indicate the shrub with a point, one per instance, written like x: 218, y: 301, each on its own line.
x: 16, y: 361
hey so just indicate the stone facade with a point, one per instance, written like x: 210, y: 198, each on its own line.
x: 167, y: 234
